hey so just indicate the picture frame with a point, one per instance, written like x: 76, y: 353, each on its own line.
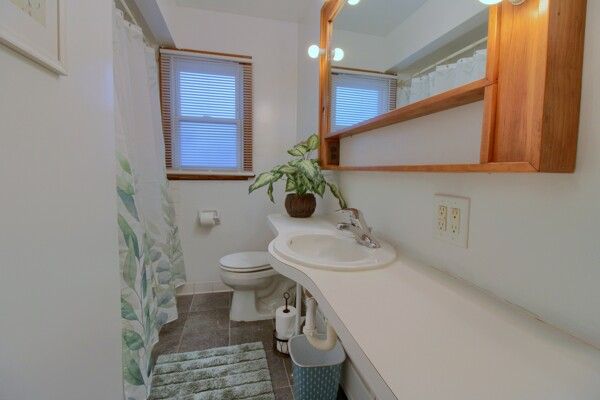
x: 37, y: 30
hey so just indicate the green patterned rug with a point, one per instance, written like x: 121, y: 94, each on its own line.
x: 226, y: 373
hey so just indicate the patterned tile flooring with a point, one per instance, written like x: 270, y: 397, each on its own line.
x: 204, y: 324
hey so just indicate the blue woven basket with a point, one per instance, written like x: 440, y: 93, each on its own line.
x: 316, y: 373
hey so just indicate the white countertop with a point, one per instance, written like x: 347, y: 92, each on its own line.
x: 429, y: 336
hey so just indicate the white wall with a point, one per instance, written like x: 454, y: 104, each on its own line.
x: 59, y: 279
x: 448, y: 137
x: 417, y: 36
x: 273, y: 46
x: 431, y: 21
x: 308, y: 70
x: 533, y: 238
x: 362, y: 51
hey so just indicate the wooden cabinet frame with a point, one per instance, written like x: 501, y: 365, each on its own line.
x: 531, y: 92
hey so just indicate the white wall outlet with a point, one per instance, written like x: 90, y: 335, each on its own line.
x: 451, y: 222
x: 454, y: 221
x: 442, y: 219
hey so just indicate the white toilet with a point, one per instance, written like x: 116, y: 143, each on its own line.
x: 257, y: 288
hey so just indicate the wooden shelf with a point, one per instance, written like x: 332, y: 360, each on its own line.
x: 494, y: 167
x: 460, y: 96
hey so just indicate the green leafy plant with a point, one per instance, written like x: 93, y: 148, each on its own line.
x: 303, y: 174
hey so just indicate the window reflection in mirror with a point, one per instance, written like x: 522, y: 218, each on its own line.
x: 398, y: 52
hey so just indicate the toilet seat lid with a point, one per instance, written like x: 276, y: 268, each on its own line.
x: 247, y: 261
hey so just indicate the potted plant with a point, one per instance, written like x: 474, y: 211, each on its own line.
x: 304, y: 179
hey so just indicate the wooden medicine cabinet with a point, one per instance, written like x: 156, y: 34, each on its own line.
x: 530, y: 81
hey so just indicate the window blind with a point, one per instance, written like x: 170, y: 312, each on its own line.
x: 356, y: 98
x: 206, y: 111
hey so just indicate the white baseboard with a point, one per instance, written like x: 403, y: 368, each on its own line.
x: 190, y: 288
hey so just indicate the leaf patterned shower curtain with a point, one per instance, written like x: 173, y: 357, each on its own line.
x: 150, y: 255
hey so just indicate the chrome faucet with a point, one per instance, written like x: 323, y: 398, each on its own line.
x: 358, y: 226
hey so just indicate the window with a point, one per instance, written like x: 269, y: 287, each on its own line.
x: 207, y: 114
x: 357, y: 97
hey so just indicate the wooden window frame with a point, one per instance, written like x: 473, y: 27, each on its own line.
x: 165, y: 72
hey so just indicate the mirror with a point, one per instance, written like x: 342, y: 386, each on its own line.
x: 408, y: 59
x: 401, y: 52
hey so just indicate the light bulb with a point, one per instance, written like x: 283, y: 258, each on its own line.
x: 338, y: 54
x: 353, y: 2
x: 314, y: 51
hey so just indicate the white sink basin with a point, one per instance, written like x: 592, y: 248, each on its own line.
x: 333, y: 252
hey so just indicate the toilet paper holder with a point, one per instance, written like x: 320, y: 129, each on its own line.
x: 208, y: 218
x: 286, y: 296
x: 280, y: 345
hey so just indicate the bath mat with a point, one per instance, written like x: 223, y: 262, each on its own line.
x: 226, y: 373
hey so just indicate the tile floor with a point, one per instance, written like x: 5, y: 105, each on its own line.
x: 204, y: 323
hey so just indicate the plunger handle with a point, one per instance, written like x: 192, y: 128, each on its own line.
x: 286, y: 296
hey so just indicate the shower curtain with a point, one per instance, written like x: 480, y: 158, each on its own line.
x: 150, y: 255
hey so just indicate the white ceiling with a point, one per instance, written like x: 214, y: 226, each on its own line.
x: 376, y: 17
x: 283, y: 10
x: 373, y: 17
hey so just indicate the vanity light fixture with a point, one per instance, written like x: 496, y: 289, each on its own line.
x: 314, y: 51
x: 338, y: 54
x: 353, y: 2
x: 491, y: 2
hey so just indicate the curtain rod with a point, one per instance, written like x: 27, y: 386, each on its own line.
x: 335, y: 70
x: 451, y: 56
x: 207, y: 54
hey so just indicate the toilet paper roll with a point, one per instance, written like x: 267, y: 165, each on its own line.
x: 208, y: 218
x: 285, y: 323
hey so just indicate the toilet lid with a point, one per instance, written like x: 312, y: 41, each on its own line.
x: 248, y: 261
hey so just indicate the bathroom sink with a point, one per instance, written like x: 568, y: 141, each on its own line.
x: 332, y: 252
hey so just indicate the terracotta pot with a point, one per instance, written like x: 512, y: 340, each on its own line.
x: 300, y: 206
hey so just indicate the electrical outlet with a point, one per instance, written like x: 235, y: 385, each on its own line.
x: 442, y: 220
x: 451, y: 223
x: 455, y: 221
